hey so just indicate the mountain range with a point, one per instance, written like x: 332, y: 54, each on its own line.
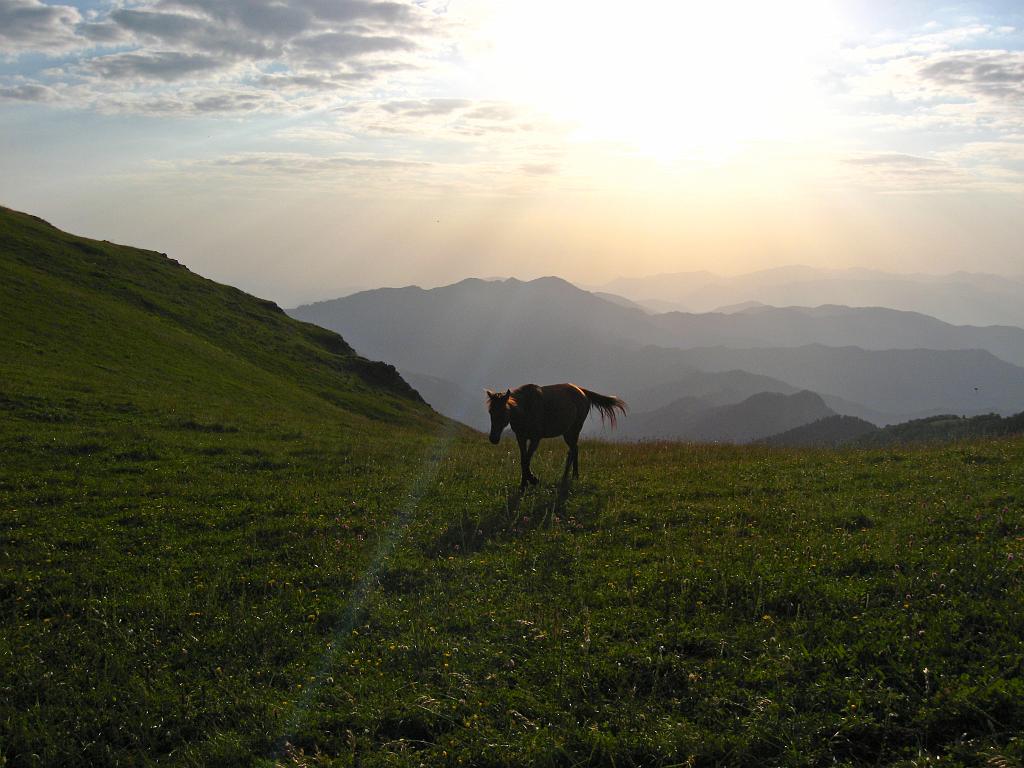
x: 835, y: 326
x: 964, y: 298
x: 877, y: 364
x: 757, y: 417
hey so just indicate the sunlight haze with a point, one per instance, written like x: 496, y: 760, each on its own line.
x: 303, y: 151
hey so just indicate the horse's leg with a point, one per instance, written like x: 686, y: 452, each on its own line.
x: 524, y: 461
x: 573, y: 457
x: 569, y: 456
x: 529, y: 456
x: 573, y: 439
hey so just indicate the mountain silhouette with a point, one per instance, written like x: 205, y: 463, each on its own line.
x: 756, y: 417
x: 501, y: 333
x: 963, y: 298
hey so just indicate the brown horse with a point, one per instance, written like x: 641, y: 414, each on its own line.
x: 538, y: 412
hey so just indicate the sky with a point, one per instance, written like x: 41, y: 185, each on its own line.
x: 305, y: 149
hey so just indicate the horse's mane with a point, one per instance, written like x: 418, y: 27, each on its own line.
x: 492, y: 396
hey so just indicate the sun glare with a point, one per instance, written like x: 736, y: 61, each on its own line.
x: 665, y: 79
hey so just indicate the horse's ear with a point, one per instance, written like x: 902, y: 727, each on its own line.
x: 490, y: 395
x: 508, y: 392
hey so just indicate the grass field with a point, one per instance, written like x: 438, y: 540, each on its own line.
x: 221, y: 543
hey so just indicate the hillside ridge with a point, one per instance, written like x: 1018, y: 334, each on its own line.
x: 128, y: 319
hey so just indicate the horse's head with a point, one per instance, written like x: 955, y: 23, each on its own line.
x: 498, y: 406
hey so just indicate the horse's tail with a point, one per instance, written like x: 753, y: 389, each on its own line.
x: 606, y: 405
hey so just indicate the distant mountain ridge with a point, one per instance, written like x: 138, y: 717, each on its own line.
x: 476, y: 334
x: 559, y: 306
x: 901, y: 381
x: 756, y: 417
x: 874, y: 328
x: 962, y: 298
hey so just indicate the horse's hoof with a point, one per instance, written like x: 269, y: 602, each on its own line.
x: 534, y: 480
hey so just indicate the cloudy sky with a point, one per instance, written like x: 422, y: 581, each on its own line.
x: 305, y: 148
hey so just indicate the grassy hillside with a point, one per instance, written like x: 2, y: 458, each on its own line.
x: 948, y: 427
x: 838, y: 431
x: 832, y: 431
x: 220, y: 552
x: 86, y: 321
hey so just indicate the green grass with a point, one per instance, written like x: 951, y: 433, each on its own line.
x: 91, y: 325
x: 235, y: 550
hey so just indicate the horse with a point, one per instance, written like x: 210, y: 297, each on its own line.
x: 538, y: 412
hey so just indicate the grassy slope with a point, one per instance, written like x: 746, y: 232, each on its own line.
x: 944, y: 428
x: 205, y: 559
x: 87, y: 320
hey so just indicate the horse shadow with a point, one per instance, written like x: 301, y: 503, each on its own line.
x: 539, y: 507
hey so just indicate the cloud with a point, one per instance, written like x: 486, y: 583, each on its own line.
x: 425, y: 107
x: 273, y: 20
x: 103, y: 33
x: 192, y: 33
x: 539, y: 169
x: 990, y: 74
x: 297, y: 163
x: 359, y: 173
x: 161, y: 65
x: 900, y: 172
x: 197, y: 101
x: 882, y: 50
x: 356, y: 173
x: 327, y: 49
x: 229, y: 102
x: 892, y: 160
x: 448, y: 118
x: 313, y: 81
x: 28, y: 25
x: 28, y: 92
x: 946, y: 87
x: 299, y: 49
x: 324, y: 31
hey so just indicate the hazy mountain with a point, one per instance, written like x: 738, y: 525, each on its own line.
x: 482, y: 328
x: 875, y: 416
x: 478, y: 334
x: 834, y: 326
x: 455, y: 340
x: 743, y: 306
x: 622, y: 301
x: 732, y: 386
x: 702, y: 391
x: 830, y: 432
x: 963, y: 298
x: 504, y: 309
x: 552, y: 305
x: 911, y: 381
x: 448, y: 398
x: 713, y: 389
x: 756, y: 417
x: 504, y: 333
